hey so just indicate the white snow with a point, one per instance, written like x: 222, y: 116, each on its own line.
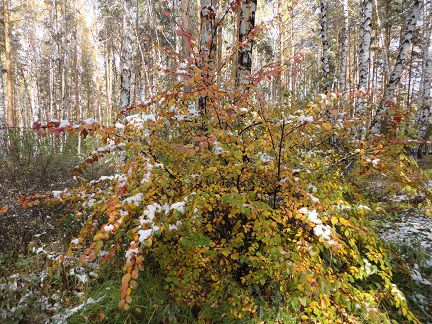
x: 264, y: 157
x: 217, y: 149
x: 363, y: 207
x: 64, y: 123
x: 178, y: 206
x: 56, y: 193
x: 144, y: 234
x: 89, y: 121
x: 62, y: 318
x: 151, y: 211
x: 109, y: 228
x: 323, y: 230
x: 135, y: 199
x: 312, y: 215
x: 305, y: 119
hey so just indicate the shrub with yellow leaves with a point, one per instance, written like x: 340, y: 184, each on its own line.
x: 246, y: 206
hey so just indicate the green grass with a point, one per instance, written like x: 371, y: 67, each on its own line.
x: 150, y: 304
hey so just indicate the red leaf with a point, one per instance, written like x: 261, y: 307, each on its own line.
x: 84, y: 133
x: 166, y: 13
x: 37, y: 125
x: 53, y: 123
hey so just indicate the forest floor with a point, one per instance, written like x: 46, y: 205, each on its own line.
x: 32, y: 239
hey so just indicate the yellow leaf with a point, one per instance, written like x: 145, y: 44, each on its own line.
x: 326, y: 126
x: 344, y: 221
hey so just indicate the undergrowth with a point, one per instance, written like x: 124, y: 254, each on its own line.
x: 242, y: 207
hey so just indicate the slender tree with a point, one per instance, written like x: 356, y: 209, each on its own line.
x: 424, y: 112
x: 208, y: 43
x: 246, y: 25
x: 344, y: 51
x: 364, y: 54
x: 75, y: 69
x: 325, y: 56
x: 185, y: 25
x: 126, y: 54
x: 2, y: 113
x: 381, y: 122
x: 8, y: 62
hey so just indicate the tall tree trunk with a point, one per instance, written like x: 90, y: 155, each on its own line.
x: 108, y: 80
x: 247, y: 24
x: 62, y: 64
x: 381, y: 122
x: 344, y: 53
x: 185, y: 26
x: 382, y: 42
x: 3, y: 122
x: 364, y: 55
x: 325, y: 57
x: 75, y: 69
x: 8, y: 62
x: 126, y: 54
x: 219, y: 43
x: 425, y: 101
x: 279, y: 44
x: 208, y: 39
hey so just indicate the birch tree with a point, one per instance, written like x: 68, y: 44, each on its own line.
x: 207, y: 42
x: 246, y: 25
x: 424, y: 112
x: 344, y: 51
x: 185, y: 25
x: 325, y: 56
x: 381, y: 122
x: 126, y: 54
x: 208, y: 31
x: 8, y: 62
x: 364, y: 54
x: 2, y: 113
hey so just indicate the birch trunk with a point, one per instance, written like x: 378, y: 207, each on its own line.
x: 126, y: 54
x: 208, y: 31
x: 185, y: 26
x: 325, y: 57
x: 364, y: 55
x: 381, y: 122
x: 8, y: 62
x: 2, y: 114
x: 344, y: 52
x: 424, y: 112
x: 382, y: 42
x: 246, y: 25
x: 75, y: 69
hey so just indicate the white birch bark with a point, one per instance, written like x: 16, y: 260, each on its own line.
x: 381, y: 122
x: 2, y: 114
x: 126, y: 54
x: 381, y: 42
x: 208, y: 30
x: 364, y: 54
x: 424, y: 112
x: 8, y: 65
x: 246, y: 25
x: 344, y: 52
x: 325, y: 56
x: 208, y: 43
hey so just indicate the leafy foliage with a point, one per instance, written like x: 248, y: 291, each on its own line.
x: 246, y: 206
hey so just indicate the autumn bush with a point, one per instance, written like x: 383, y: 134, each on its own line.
x: 240, y: 205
